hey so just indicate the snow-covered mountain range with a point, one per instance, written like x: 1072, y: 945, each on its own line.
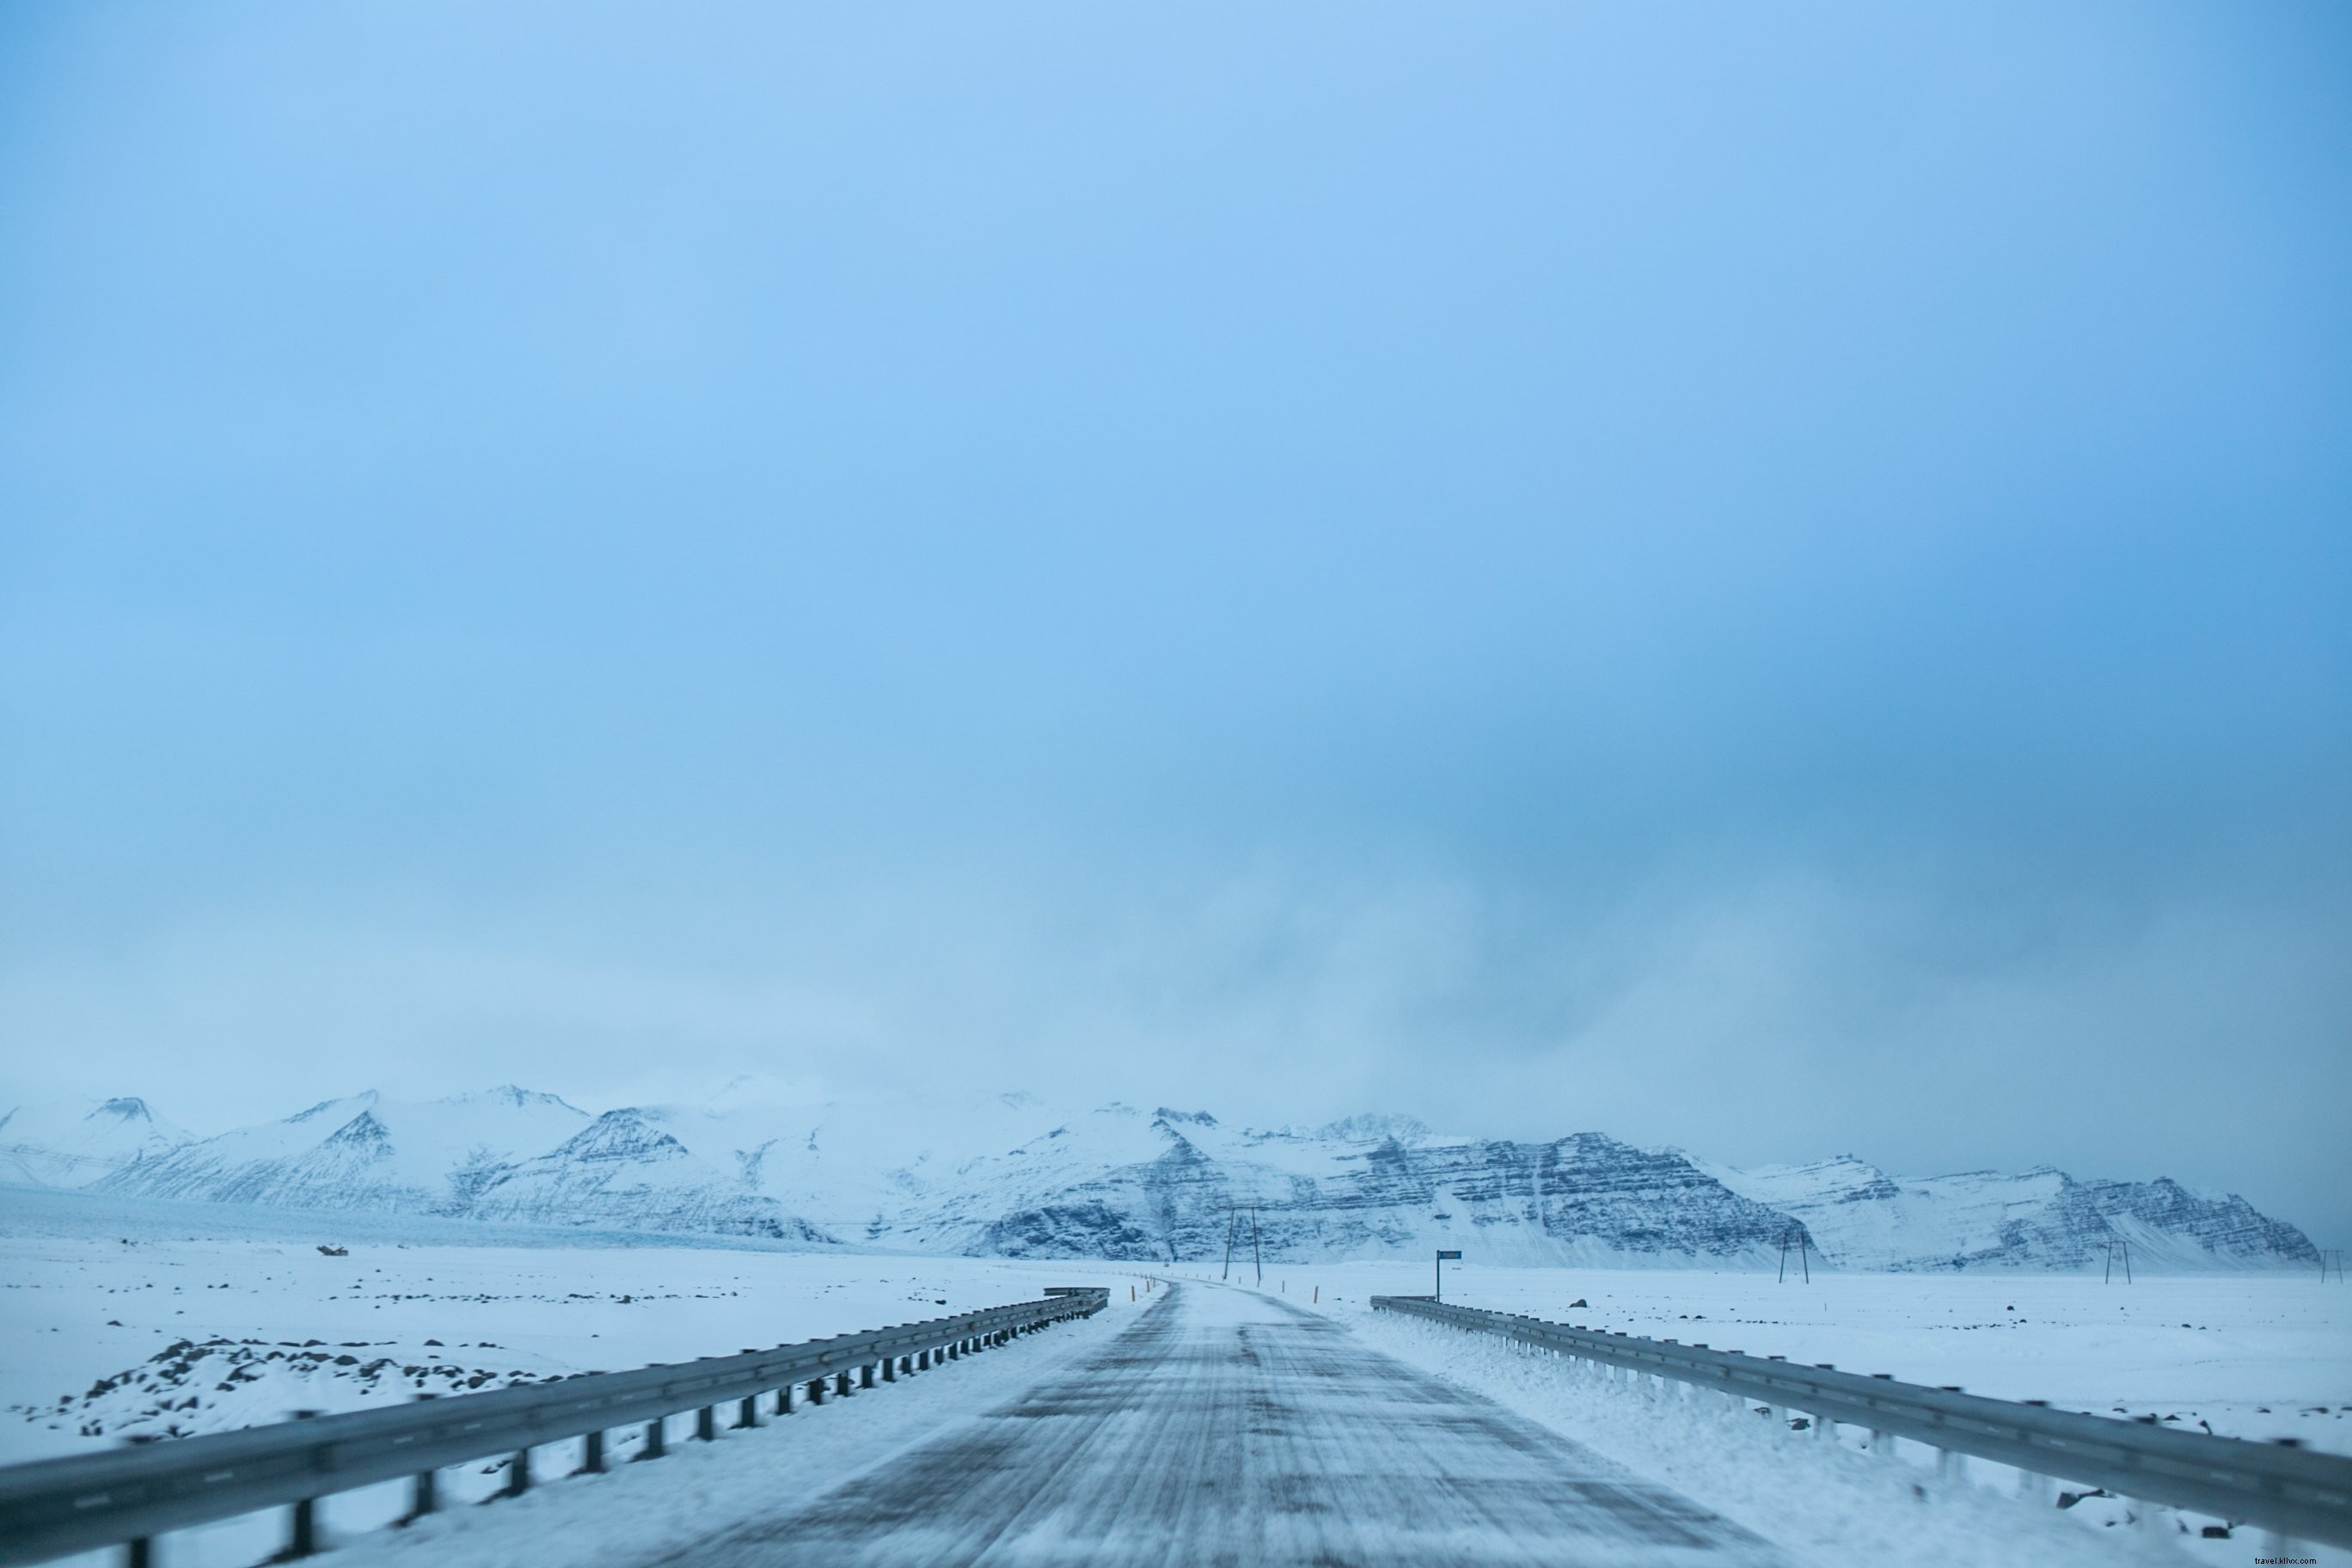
x: 1011, y: 1176
x: 73, y: 1146
x: 2045, y: 1217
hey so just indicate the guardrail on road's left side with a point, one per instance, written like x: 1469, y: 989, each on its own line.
x: 53, y: 1508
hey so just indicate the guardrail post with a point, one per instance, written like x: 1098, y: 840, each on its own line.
x: 865, y: 1375
x: 592, y: 1452
x: 301, y: 1530
x: 748, y: 1413
x: 657, y: 1438
x: 784, y: 1400
x: 1951, y: 1465
x: 139, y: 1554
x: 816, y: 1391
x: 518, y: 1473
x: 424, y: 1494
x: 706, y: 1425
x: 889, y: 1369
x: 841, y: 1384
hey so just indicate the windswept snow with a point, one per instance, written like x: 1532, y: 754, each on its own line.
x: 1823, y: 1503
x: 148, y: 1328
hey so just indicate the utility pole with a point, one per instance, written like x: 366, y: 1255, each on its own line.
x: 1232, y: 1218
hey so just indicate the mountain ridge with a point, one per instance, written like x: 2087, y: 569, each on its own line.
x: 1010, y: 1175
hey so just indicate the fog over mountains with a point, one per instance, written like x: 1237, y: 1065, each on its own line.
x: 1012, y: 1176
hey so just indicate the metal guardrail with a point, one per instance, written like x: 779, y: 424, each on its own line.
x: 53, y: 1508
x: 2297, y: 1493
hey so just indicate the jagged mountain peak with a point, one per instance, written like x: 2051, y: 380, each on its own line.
x: 73, y: 1144
x: 628, y: 1133
x: 363, y: 1129
x: 1374, y: 1127
x: 513, y: 1095
x: 366, y: 1097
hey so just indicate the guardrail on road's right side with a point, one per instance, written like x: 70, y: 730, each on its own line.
x: 2293, y: 1492
x: 53, y: 1508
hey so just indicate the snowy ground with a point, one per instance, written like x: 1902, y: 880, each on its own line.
x: 2259, y: 1357
x: 126, y: 1319
x: 187, y: 1320
x: 2263, y: 1357
x: 191, y: 1318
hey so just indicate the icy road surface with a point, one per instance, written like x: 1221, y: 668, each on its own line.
x: 1228, y: 1428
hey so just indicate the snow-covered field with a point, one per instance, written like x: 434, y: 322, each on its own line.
x: 121, y: 1318
x: 180, y: 1318
x: 2251, y: 1356
x: 2261, y: 1356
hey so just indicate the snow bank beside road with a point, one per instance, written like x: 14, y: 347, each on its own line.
x: 2261, y: 1356
x: 1823, y: 1503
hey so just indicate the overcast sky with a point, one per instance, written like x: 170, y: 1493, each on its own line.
x: 1772, y: 579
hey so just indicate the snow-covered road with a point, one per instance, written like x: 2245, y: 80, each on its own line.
x: 1226, y: 1426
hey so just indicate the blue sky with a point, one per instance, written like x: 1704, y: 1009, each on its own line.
x: 1773, y: 580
